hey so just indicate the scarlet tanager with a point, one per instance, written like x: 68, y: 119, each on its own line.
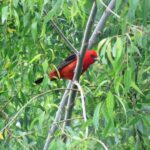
x: 67, y: 68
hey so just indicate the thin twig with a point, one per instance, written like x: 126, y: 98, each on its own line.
x: 99, y: 141
x: 109, y: 9
x: 64, y: 38
x: 94, y: 139
x: 83, y: 106
x: 68, y: 120
x: 12, y: 120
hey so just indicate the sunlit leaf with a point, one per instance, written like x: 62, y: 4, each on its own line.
x: 101, y: 43
x: 34, y: 30
x: 45, y: 65
x: 37, y: 57
x: 1, y: 136
x: 4, y: 13
x: 134, y: 86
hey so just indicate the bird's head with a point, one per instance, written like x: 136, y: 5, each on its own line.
x: 92, y: 56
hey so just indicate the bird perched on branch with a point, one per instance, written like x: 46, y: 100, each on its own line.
x: 67, y: 68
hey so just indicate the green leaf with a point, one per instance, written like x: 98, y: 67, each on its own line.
x: 127, y: 80
x: 109, y: 52
x: 123, y: 105
x: 132, y: 9
x: 134, y: 120
x: 119, y: 47
x: 15, y: 2
x: 43, y: 33
x: 118, y: 3
x: 34, y: 30
x: 52, y: 55
x: 17, y: 18
x: 101, y: 43
x: 26, y: 19
x: 110, y: 105
x: 96, y: 116
x: 45, y: 65
x: 37, y: 57
x: 134, y: 86
x: 110, y: 102
x: 4, y: 14
x: 117, y: 84
x: 54, y: 11
x: 74, y: 9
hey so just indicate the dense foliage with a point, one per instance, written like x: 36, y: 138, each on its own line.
x: 117, y: 90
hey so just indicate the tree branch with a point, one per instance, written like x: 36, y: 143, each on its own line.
x: 101, y: 23
x: 64, y: 38
x: 57, y: 117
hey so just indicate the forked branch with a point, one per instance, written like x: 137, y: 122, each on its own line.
x: 101, y: 23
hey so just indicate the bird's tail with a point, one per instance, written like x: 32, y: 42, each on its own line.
x: 53, y: 75
x: 39, y: 80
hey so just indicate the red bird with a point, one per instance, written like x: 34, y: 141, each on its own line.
x: 66, y: 69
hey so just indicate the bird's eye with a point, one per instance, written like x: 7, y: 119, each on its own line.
x: 92, y: 56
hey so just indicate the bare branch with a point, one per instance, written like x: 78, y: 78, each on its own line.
x: 57, y: 117
x: 68, y: 113
x: 64, y: 38
x: 100, y: 24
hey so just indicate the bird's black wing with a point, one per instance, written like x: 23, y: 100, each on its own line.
x: 67, y: 61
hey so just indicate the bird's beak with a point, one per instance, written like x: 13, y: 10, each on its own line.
x: 96, y: 59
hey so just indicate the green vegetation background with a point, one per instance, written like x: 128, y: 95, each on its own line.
x: 117, y: 91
